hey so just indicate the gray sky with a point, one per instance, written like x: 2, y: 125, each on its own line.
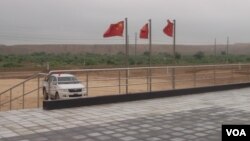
x: 85, y: 21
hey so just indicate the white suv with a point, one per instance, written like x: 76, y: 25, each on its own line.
x: 62, y: 86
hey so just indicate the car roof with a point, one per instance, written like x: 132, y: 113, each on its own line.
x: 63, y: 75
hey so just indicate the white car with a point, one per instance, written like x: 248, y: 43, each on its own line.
x: 62, y: 86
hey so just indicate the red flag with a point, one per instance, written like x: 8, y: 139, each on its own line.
x: 115, y: 30
x: 144, y: 32
x: 168, y: 30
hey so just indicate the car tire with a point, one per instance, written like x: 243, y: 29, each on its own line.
x: 45, y: 95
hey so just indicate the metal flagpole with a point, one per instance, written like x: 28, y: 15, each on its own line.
x: 150, y: 54
x: 174, y: 53
x: 215, y: 48
x: 227, y: 47
x: 127, y: 52
x: 135, y: 43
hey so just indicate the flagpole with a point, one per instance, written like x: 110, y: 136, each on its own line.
x: 215, y: 48
x: 174, y: 54
x: 227, y: 47
x: 135, y: 43
x: 150, y: 54
x: 174, y: 42
x: 127, y: 52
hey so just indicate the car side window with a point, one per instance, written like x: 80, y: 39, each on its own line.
x: 54, y: 79
x: 50, y: 79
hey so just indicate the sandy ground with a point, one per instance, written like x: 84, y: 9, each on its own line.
x: 108, y: 83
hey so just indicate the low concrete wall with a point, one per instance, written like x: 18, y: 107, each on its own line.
x: 59, y: 104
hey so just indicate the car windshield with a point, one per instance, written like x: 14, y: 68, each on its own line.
x: 67, y: 80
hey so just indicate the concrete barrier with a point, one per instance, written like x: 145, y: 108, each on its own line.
x: 70, y: 103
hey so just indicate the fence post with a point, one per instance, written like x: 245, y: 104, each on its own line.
x: 150, y: 79
x: 168, y: 82
x: 87, y: 83
x: 239, y: 69
x: 10, y: 99
x: 173, y: 77
x: 147, y: 79
x: 194, y: 76
x: 127, y: 75
x: 38, y: 91
x: 214, y: 75
x: 23, y: 94
x: 232, y: 74
x: 119, y: 81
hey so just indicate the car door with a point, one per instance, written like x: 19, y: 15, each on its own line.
x: 53, y: 86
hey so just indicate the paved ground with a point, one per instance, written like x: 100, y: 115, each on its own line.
x: 193, y: 117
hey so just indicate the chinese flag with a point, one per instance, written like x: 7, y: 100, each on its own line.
x: 144, y: 32
x: 115, y: 30
x: 168, y: 30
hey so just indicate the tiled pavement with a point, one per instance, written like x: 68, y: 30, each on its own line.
x: 192, y: 117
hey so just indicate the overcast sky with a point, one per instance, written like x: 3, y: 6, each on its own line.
x: 85, y: 21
